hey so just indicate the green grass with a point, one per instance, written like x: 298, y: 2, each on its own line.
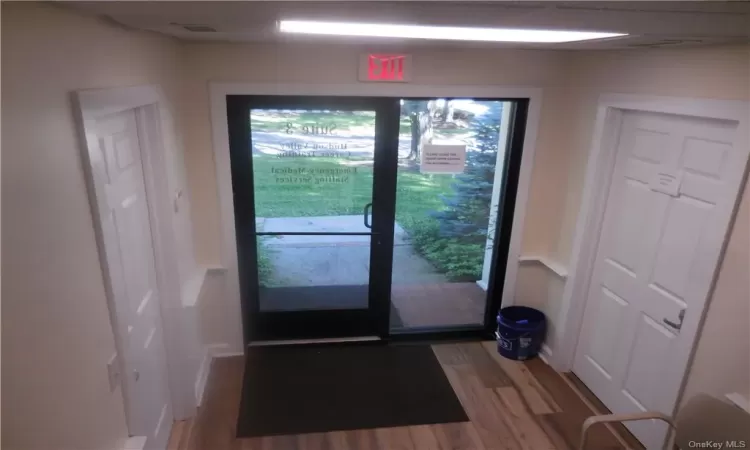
x: 459, y: 260
x: 312, y: 194
x: 417, y: 195
x: 265, y: 268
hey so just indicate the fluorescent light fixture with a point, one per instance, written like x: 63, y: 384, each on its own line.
x: 440, y: 32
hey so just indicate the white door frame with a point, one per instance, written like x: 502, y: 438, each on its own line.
x: 600, y: 166
x: 149, y: 103
x: 220, y: 135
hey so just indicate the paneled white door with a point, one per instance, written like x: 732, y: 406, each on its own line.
x: 670, y: 201
x: 131, y: 271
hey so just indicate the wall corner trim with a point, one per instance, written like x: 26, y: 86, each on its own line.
x: 191, y: 289
x: 553, y: 266
x: 222, y: 350
x: 200, y: 382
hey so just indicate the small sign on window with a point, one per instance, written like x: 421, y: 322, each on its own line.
x: 443, y: 158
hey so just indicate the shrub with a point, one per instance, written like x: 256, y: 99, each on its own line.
x: 453, y: 239
x: 467, y: 211
x: 458, y: 260
x: 265, y: 268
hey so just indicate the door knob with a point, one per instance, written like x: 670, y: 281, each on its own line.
x: 136, y: 375
x: 678, y: 325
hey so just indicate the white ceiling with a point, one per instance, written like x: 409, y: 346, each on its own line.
x: 649, y: 23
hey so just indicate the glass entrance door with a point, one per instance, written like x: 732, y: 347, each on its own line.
x: 312, y: 216
x: 359, y: 216
x: 447, y: 220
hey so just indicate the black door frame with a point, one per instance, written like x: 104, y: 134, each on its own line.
x: 503, y: 232
x: 310, y: 324
x: 296, y: 324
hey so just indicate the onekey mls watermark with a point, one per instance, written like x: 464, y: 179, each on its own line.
x: 718, y: 444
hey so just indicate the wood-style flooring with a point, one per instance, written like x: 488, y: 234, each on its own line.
x: 511, y: 405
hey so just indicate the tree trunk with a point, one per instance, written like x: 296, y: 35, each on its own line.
x: 421, y: 133
x: 448, y: 112
x: 425, y: 128
x: 416, y: 134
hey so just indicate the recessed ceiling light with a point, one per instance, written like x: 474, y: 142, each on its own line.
x: 439, y: 32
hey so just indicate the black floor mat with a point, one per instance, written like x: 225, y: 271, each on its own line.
x: 306, y: 389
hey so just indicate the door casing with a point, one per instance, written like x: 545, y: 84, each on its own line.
x: 312, y: 324
x: 152, y: 117
x: 384, y: 198
x: 599, y: 169
x: 218, y: 91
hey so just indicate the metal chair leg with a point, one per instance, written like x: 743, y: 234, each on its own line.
x: 608, y: 418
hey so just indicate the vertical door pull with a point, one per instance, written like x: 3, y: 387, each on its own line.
x: 367, y: 215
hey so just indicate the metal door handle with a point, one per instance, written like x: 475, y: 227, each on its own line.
x: 367, y: 214
x: 676, y: 326
x: 136, y: 375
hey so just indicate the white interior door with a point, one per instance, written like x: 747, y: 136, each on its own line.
x: 671, y: 197
x: 131, y: 271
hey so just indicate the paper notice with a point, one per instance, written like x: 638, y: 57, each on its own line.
x: 443, y: 158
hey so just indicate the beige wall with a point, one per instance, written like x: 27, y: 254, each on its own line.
x: 307, y: 63
x: 56, y: 336
x: 722, y: 359
x: 709, y: 72
x: 338, y: 64
x: 56, y: 333
x: 572, y: 83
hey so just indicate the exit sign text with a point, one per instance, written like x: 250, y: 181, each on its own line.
x: 379, y: 67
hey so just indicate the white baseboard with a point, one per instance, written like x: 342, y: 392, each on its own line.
x: 546, y: 354
x: 211, y: 351
x: 222, y: 351
x: 191, y: 290
x: 202, y: 378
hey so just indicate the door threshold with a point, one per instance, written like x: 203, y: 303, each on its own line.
x: 313, y: 341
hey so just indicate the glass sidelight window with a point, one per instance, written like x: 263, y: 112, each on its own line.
x: 446, y: 222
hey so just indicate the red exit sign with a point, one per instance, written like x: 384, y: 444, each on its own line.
x: 380, y: 67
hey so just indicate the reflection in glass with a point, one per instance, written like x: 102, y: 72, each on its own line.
x: 312, y: 172
x: 312, y: 162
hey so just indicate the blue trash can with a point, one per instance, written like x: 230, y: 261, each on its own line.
x: 520, y: 332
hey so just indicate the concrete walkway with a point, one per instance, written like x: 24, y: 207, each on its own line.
x: 335, y: 260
